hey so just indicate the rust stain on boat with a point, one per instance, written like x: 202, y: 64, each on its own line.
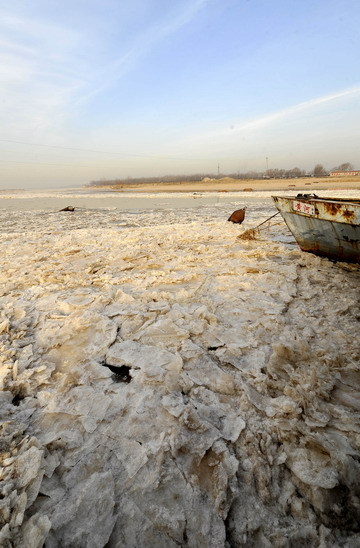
x: 338, y: 209
x: 349, y: 215
x: 332, y: 208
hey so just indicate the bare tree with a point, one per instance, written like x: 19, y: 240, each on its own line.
x: 347, y: 166
x: 275, y: 173
x: 319, y: 171
x: 296, y: 172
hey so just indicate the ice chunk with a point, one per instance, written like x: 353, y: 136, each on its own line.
x: 152, y: 361
x: 312, y: 467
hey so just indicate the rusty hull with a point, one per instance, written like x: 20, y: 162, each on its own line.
x: 330, y: 228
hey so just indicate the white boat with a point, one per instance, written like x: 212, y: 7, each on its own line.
x: 328, y: 227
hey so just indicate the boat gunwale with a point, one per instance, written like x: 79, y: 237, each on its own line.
x: 354, y: 201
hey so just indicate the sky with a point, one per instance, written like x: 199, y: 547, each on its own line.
x: 105, y: 89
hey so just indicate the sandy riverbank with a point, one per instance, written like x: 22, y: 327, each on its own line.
x: 227, y: 184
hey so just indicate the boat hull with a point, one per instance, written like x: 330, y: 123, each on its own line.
x: 329, y: 228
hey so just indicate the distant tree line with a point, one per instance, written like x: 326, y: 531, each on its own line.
x: 163, y: 179
x: 318, y: 171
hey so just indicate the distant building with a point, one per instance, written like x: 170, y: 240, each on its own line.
x: 344, y: 173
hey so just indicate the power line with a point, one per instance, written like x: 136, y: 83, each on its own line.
x: 68, y: 148
x: 44, y: 163
x: 124, y: 154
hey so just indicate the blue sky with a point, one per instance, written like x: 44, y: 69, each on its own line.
x: 96, y: 89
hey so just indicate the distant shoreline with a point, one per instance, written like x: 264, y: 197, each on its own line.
x: 227, y: 184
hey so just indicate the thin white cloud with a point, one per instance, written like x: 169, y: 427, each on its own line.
x: 48, y: 70
x: 29, y: 32
x: 12, y: 46
x: 305, y: 105
x: 38, y: 76
x: 256, y: 123
x: 182, y: 18
x: 146, y: 40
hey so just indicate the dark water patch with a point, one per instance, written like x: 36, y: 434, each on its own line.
x: 121, y: 373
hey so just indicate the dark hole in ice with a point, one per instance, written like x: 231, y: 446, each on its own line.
x: 17, y: 399
x: 121, y: 373
x: 215, y: 347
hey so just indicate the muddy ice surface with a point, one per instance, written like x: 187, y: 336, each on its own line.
x: 166, y: 384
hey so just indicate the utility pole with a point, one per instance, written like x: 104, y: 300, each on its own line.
x: 218, y: 170
x: 267, y: 163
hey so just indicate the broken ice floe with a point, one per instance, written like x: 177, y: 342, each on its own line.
x: 240, y: 421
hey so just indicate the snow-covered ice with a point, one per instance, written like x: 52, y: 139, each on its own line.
x: 230, y: 414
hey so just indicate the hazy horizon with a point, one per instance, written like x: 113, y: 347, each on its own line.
x: 114, y: 90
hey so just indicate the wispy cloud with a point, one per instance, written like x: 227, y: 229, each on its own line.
x: 145, y: 41
x: 268, y: 119
x: 48, y: 70
x: 183, y: 17
x: 303, y: 106
x: 37, y: 73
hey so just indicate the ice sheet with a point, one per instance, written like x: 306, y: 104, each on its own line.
x: 236, y: 421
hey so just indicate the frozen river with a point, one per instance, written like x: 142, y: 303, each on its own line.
x: 165, y: 383
x: 90, y: 198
